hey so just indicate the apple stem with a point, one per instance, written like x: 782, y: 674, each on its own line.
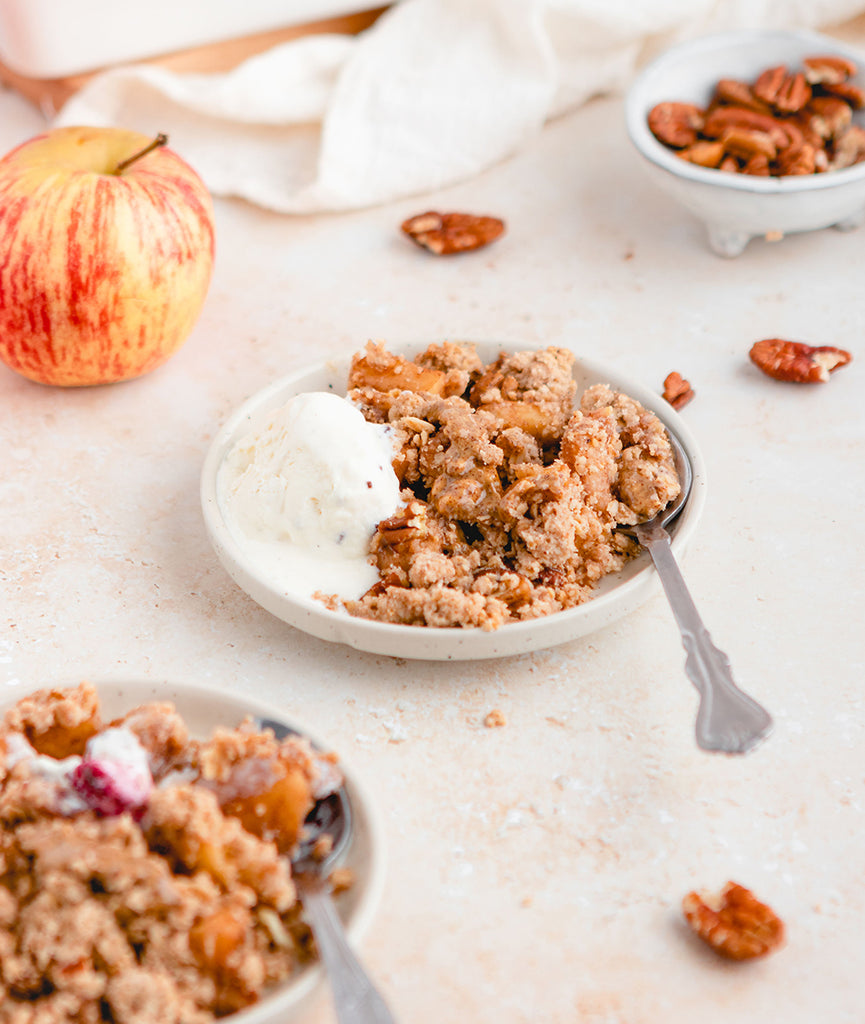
x: 160, y: 140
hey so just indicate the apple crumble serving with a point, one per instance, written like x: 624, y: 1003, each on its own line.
x: 512, y: 491
x: 142, y: 871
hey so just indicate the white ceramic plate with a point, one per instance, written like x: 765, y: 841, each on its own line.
x: 205, y: 708
x: 616, y: 595
x: 738, y: 207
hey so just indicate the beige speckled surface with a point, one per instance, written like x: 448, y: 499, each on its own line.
x: 535, y: 869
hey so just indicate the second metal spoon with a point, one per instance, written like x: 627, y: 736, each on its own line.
x: 355, y: 998
x: 728, y: 720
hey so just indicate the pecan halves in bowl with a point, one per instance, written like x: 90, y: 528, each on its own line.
x: 786, y: 92
x: 786, y: 123
x: 830, y: 69
x: 735, y: 924
x: 797, y: 362
x: 448, y: 233
x: 676, y: 124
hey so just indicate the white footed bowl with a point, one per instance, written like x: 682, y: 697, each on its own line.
x: 616, y: 595
x: 738, y: 207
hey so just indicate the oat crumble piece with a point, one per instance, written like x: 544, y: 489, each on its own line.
x: 58, y: 724
x: 162, y: 733
x: 533, y: 390
x: 341, y: 879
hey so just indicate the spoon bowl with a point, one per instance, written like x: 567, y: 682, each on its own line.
x: 355, y: 997
x: 331, y: 818
x: 685, y: 473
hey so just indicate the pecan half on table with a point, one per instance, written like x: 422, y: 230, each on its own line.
x: 735, y: 924
x: 677, y: 391
x: 797, y: 362
x: 448, y: 233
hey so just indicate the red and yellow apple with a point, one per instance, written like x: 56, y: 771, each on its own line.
x: 106, y: 254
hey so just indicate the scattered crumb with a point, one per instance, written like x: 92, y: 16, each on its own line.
x: 341, y: 879
x: 495, y: 719
x: 331, y: 601
x: 322, y: 846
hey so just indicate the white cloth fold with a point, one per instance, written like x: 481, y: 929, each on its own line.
x: 434, y: 92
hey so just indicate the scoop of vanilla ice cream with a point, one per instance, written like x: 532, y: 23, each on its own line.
x: 317, y: 475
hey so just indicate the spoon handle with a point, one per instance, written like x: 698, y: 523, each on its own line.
x: 728, y: 719
x: 354, y: 996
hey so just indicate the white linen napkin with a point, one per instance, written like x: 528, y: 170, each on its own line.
x: 434, y: 92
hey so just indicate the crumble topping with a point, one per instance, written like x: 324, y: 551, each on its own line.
x: 511, y: 493
x: 142, y: 872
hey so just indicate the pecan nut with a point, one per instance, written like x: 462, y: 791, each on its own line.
x: 735, y: 924
x: 704, y: 153
x: 797, y: 362
x: 745, y: 143
x: 550, y: 577
x: 797, y: 160
x: 795, y: 135
x: 828, y: 70
x: 722, y: 119
x: 850, y: 93
x: 739, y: 94
x: 827, y: 116
x: 404, y: 526
x: 787, y: 122
x: 676, y: 124
x: 849, y: 148
x: 393, y: 579
x: 677, y: 390
x: 769, y: 84
x: 447, y: 233
x: 783, y: 91
x: 757, y: 165
x: 793, y: 94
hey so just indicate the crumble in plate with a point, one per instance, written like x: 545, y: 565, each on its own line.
x: 143, y: 876
x: 512, y: 490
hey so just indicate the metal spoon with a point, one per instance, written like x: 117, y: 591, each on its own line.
x: 728, y: 720
x: 355, y: 998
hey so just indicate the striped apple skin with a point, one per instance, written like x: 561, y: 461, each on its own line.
x: 102, y: 275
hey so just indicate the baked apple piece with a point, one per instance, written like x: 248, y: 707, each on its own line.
x: 57, y: 723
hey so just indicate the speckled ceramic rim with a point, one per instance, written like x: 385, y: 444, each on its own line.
x: 617, y: 595
x: 203, y: 708
x: 696, y: 88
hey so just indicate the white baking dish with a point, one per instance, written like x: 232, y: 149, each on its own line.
x: 59, y: 38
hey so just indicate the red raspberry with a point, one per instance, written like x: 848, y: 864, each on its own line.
x: 111, y: 787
